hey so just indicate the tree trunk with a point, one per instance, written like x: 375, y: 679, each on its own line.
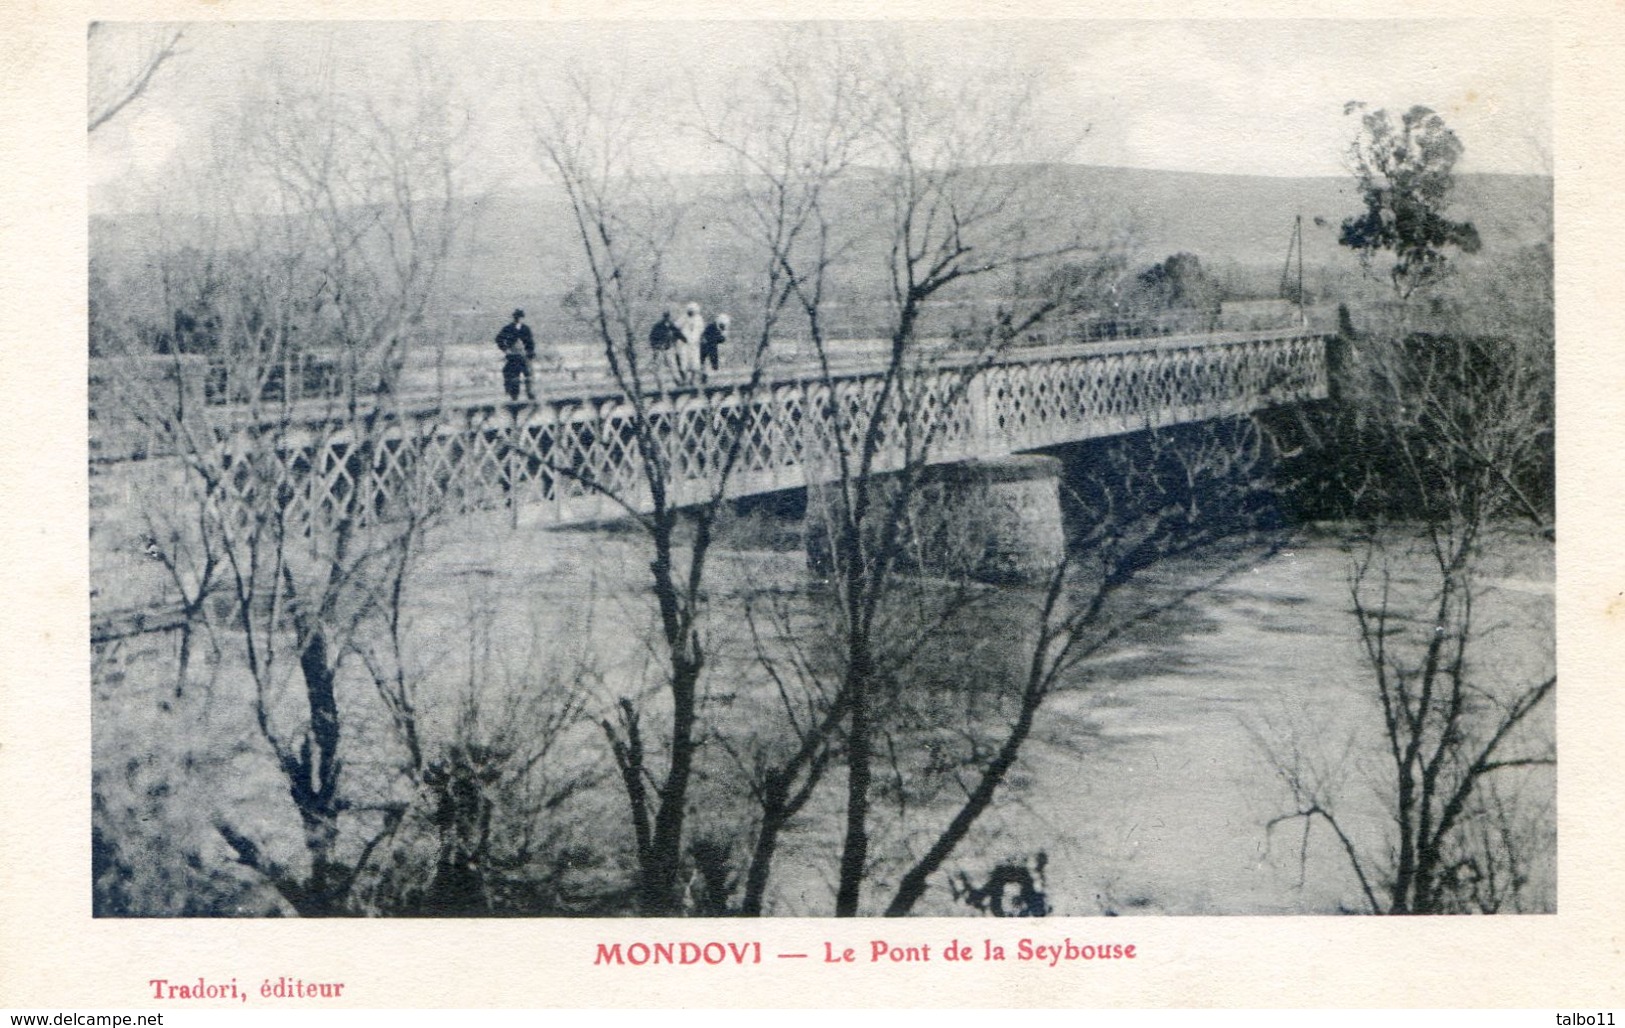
x: 767, y: 842
x: 657, y: 887
x: 914, y: 882
x: 855, y: 848
x: 313, y: 780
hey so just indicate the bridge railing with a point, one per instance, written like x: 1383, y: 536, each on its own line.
x: 575, y: 457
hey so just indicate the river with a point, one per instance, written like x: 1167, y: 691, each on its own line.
x: 1149, y: 780
x: 1147, y: 783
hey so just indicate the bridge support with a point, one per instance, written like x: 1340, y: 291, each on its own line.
x: 995, y: 520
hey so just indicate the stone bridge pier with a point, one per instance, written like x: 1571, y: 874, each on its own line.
x: 995, y: 519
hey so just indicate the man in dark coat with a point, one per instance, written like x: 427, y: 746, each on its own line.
x: 711, y: 343
x: 664, y: 335
x: 519, y: 349
x: 664, y: 340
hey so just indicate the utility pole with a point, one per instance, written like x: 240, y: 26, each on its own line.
x: 1295, y: 246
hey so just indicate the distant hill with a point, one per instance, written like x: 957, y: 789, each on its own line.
x: 517, y: 243
x: 521, y: 248
x: 1247, y: 219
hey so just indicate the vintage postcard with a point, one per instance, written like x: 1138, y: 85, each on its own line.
x: 679, y: 505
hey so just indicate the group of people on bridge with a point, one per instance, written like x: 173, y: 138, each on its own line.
x: 686, y: 348
x: 689, y: 346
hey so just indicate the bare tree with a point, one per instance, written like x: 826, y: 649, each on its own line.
x: 791, y: 139
x: 936, y: 219
x: 306, y: 507
x: 491, y: 783
x: 927, y: 201
x: 949, y: 218
x: 1445, y: 427
x: 119, y: 79
x: 1464, y: 423
x: 1168, y: 493
x: 628, y: 219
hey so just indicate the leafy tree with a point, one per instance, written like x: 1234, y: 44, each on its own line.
x: 1179, y: 283
x: 1088, y: 293
x: 1086, y: 286
x: 1406, y: 174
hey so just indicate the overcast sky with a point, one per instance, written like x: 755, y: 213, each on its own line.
x: 1241, y: 97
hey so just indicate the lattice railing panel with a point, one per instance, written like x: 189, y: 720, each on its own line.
x: 574, y: 458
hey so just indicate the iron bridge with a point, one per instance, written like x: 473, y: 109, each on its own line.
x: 573, y: 456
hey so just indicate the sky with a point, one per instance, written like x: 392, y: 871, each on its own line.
x: 1235, y: 97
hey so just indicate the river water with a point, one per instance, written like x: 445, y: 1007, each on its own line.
x: 1147, y: 783
x: 1149, y: 780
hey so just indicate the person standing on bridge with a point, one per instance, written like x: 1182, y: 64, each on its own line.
x: 692, y: 328
x: 711, y: 343
x: 663, y: 339
x: 518, y: 347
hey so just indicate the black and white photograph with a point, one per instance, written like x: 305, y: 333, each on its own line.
x: 821, y: 469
